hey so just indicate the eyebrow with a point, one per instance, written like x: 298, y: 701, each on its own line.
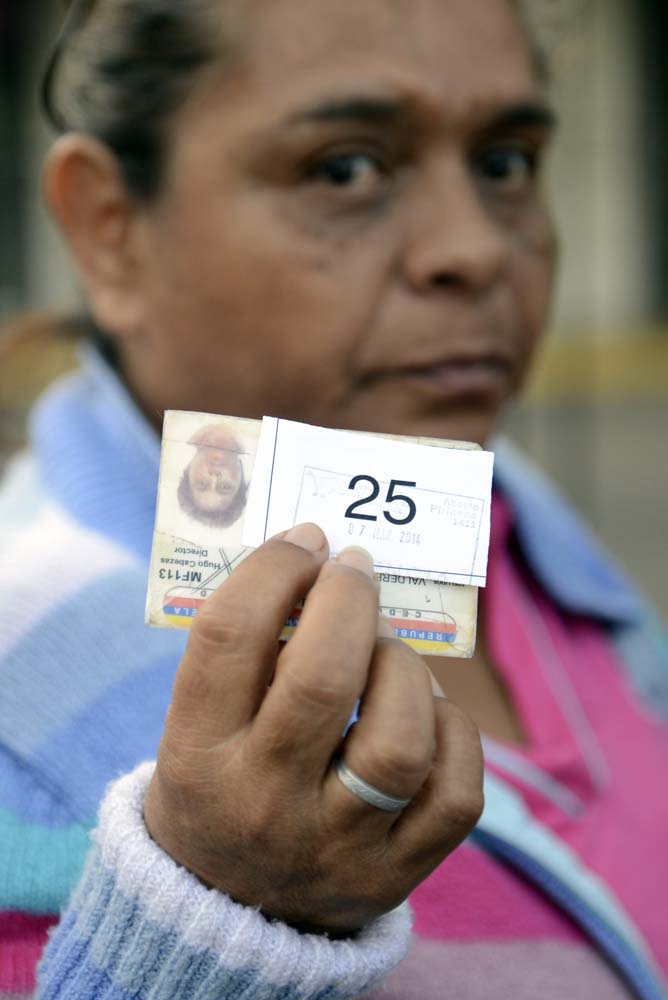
x: 532, y: 114
x: 371, y: 110
x: 384, y: 111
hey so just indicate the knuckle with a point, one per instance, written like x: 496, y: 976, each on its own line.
x: 405, y: 765
x: 327, y: 689
x: 467, y: 809
x: 467, y: 733
x: 461, y: 799
x: 462, y: 808
x: 214, y: 629
x: 464, y: 720
x: 395, y: 657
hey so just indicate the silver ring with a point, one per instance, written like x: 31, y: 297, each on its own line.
x: 363, y: 790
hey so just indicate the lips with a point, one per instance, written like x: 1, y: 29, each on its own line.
x: 465, y: 376
x: 479, y: 375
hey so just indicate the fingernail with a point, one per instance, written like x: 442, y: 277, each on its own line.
x: 436, y: 688
x: 385, y: 628
x: 358, y: 559
x: 307, y: 536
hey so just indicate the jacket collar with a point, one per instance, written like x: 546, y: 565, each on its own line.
x: 562, y: 554
x: 98, y: 455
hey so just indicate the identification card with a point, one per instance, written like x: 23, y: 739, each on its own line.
x: 226, y: 480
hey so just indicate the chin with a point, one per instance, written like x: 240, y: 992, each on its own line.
x: 475, y: 419
x: 478, y: 427
x: 479, y: 432
x: 470, y: 417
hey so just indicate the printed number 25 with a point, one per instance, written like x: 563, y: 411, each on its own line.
x: 390, y: 498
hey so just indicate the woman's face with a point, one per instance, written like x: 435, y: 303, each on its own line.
x: 214, y: 477
x: 351, y: 231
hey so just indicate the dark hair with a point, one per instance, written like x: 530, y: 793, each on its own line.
x: 213, y: 518
x: 120, y: 70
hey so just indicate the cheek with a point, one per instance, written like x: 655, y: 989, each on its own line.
x: 301, y: 322
x: 231, y: 475
x: 253, y: 257
x: 264, y: 314
x: 195, y: 475
x: 535, y: 259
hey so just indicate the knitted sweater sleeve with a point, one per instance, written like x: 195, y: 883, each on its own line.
x: 140, y: 926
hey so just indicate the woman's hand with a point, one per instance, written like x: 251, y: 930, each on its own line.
x: 245, y: 795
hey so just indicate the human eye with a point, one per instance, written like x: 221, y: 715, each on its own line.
x: 509, y: 170
x: 352, y: 173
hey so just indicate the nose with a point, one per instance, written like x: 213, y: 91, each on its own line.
x: 454, y: 241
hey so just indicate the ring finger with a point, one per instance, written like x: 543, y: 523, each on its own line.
x: 392, y: 745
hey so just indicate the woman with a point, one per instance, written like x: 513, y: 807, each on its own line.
x: 328, y: 212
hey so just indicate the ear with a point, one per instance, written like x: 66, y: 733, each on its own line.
x: 86, y: 194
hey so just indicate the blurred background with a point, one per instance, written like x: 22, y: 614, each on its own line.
x: 596, y: 413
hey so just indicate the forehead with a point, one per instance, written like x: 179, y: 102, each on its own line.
x: 457, y: 53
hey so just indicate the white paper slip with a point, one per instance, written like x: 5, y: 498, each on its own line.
x: 419, y: 510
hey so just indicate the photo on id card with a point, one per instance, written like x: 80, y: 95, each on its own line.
x: 206, y: 467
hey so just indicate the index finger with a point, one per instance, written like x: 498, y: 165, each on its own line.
x: 233, y: 643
